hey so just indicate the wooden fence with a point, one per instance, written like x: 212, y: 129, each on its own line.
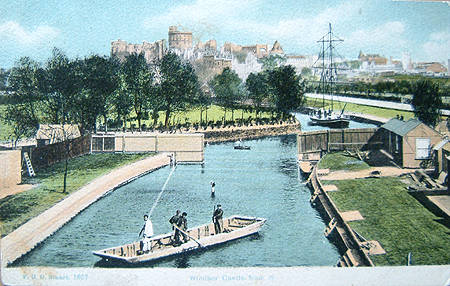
x: 47, y: 155
x: 339, y: 139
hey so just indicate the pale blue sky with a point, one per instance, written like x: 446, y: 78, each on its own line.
x: 80, y: 28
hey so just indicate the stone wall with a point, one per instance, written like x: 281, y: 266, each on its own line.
x: 10, y: 166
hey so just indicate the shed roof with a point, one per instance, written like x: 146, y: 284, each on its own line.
x: 400, y: 127
x: 440, y: 144
x: 54, y: 132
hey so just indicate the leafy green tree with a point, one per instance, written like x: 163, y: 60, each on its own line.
x: 426, y: 101
x: 26, y: 81
x: 122, y: 100
x: 63, y: 83
x: 4, y: 74
x: 227, y: 87
x: 258, y: 88
x: 99, y: 76
x: 139, y: 82
x: 23, y: 123
x: 286, y: 88
x: 272, y: 61
x: 178, y: 85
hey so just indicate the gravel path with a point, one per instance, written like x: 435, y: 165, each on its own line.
x: 27, y: 236
x: 384, y: 172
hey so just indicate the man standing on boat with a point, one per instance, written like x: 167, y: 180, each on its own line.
x: 174, y: 221
x: 147, y: 229
x: 217, y: 219
x: 183, y: 225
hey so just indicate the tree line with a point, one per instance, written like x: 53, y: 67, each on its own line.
x: 83, y: 91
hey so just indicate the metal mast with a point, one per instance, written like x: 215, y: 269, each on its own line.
x: 328, y: 70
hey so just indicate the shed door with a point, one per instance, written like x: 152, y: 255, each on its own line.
x: 422, y: 148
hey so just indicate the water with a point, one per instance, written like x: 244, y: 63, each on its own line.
x: 260, y: 182
x: 304, y: 120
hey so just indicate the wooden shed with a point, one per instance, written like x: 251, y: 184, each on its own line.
x: 54, y: 133
x: 441, y: 151
x: 409, y: 142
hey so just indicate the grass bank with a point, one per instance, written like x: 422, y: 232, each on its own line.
x: 376, y: 111
x: 214, y: 113
x: 394, y: 218
x: 341, y: 161
x: 17, y: 209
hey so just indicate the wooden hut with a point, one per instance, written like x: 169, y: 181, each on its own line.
x: 54, y: 133
x: 409, y: 142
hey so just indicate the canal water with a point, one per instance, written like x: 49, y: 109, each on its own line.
x: 259, y: 182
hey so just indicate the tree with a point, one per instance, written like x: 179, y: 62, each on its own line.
x: 286, y: 89
x: 178, y: 85
x: 99, y: 82
x: 122, y: 100
x: 227, y: 87
x: 23, y: 123
x: 139, y: 81
x: 258, y: 88
x: 272, y: 61
x: 63, y: 82
x: 426, y: 101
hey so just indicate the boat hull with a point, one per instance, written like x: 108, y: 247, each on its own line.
x: 334, y: 123
x: 206, y: 241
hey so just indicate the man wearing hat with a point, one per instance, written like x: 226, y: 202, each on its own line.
x: 217, y: 219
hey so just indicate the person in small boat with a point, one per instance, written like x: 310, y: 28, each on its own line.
x: 213, y: 185
x: 174, y: 221
x: 217, y: 219
x: 147, y: 231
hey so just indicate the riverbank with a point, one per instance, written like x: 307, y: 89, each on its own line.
x: 381, y: 218
x: 234, y: 133
x: 27, y: 236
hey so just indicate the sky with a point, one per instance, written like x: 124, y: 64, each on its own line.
x: 85, y: 27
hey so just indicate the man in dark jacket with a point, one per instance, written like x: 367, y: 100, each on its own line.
x: 174, y: 221
x: 182, y: 224
x: 217, y: 219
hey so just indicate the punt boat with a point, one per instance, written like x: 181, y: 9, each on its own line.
x: 200, y: 237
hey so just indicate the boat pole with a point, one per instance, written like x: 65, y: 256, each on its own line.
x: 175, y: 226
x: 162, y: 190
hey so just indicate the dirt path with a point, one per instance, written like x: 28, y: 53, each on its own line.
x: 27, y: 236
x: 384, y: 172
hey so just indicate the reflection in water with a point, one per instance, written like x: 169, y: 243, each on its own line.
x: 182, y: 261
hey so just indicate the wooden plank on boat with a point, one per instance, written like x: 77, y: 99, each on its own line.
x: 235, y: 227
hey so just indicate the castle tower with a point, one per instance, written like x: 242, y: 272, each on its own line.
x: 179, y: 40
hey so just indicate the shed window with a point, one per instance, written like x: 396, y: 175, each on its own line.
x: 422, y: 148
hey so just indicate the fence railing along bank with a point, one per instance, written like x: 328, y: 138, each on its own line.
x: 350, y: 246
x: 186, y: 147
x: 339, y: 140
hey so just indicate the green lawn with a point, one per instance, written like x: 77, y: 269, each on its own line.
x: 341, y: 161
x: 394, y: 218
x: 215, y: 113
x: 17, y: 209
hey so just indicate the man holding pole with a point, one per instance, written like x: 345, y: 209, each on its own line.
x: 147, y: 231
x: 217, y: 219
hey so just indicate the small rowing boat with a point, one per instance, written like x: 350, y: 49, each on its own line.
x: 203, y: 236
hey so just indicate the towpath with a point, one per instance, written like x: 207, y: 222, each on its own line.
x: 382, y: 171
x: 27, y: 236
